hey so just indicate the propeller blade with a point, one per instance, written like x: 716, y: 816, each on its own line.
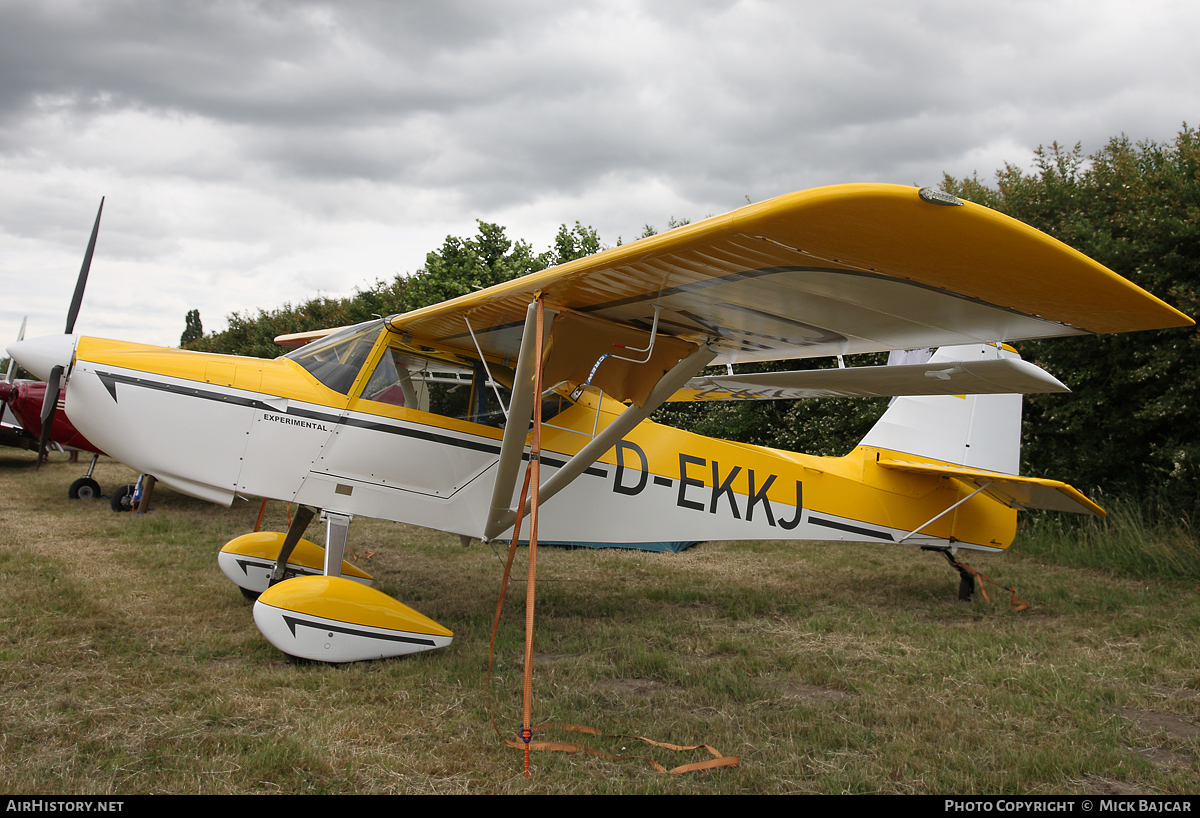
x: 49, y: 407
x: 12, y: 364
x: 77, y: 298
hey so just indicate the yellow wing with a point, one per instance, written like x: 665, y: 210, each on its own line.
x: 834, y: 270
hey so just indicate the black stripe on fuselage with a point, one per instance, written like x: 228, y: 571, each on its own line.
x: 111, y: 379
x: 852, y: 529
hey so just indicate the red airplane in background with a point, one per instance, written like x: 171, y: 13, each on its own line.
x: 37, y: 406
x: 24, y: 400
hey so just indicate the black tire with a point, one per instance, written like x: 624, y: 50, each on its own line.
x: 250, y: 595
x: 85, y: 488
x: 122, y: 498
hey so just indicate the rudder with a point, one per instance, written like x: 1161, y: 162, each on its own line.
x: 974, y: 431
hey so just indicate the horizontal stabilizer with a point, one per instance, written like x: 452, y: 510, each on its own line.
x: 1003, y: 376
x: 1009, y: 489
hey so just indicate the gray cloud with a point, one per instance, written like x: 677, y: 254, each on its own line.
x: 264, y: 148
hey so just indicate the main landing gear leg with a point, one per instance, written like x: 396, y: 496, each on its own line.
x: 337, y: 527
x: 258, y: 561
x: 300, y: 522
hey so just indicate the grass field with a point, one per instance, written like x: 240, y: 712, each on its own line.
x: 131, y: 665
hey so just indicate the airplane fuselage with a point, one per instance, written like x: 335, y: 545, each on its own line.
x: 217, y: 427
x: 422, y: 417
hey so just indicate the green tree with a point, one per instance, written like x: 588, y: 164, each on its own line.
x: 253, y: 333
x: 462, y: 266
x: 1131, y: 425
x: 193, y: 329
x: 572, y: 243
x: 829, y: 427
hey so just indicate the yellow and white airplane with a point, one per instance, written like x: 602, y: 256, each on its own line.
x: 425, y: 417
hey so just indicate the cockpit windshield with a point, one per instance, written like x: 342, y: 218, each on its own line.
x: 336, y: 359
x: 419, y: 378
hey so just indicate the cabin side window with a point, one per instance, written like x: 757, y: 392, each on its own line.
x: 392, y: 383
x: 458, y: 389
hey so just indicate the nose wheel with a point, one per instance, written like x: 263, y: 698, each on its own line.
x: 122, y: 498
x: 135, y: 496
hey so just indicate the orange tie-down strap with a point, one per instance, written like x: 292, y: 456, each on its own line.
x: 1013, y: 602
x: 717, y: 759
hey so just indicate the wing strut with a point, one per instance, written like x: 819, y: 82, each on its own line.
x: 520, y: 411
x: 500, y: 517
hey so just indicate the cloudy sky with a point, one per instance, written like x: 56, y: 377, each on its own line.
x: 257, y: 153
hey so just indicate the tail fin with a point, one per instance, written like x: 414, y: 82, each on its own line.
x: 974, y: 431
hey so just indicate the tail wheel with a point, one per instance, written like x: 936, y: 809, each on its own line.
x: 122, y: 498
x: 85, y: 488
